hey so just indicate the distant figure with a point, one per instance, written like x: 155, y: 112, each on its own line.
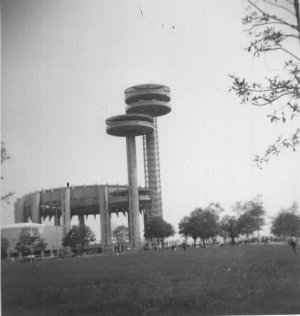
x: 293, y: 243
x: 184, y: 246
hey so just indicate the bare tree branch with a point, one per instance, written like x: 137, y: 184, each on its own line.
x: 279, y: 6
x: 274, y: 17
x: 7, y: 196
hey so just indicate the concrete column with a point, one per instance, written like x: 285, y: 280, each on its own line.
x: 105, y: 222
x: 57, y: 220
x: 81, y: 219
x: 19, y: 210
x: 133, y: 194
x: 35, y: 207
x: 66, y: 211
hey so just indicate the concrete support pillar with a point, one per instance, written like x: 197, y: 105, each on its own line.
x: 146, y: 218
x: 19, y: 211
x: 105, y: 221
x: 66, y: 210
x: 35, y: 207
x: 57, y: 220
x: 133, y: 195
x: 81, y: 219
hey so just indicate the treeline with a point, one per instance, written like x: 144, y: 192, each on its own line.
x: 247, y: 218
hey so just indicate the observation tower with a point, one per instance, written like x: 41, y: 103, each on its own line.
x: 152, y: 100
x: 130, y: 126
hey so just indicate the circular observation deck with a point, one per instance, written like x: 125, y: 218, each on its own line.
x: 84, y: 200
x: 147, y: 92
x: 153, y: 108
x: 131, y: 124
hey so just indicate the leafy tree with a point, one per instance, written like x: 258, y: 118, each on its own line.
x: 30, y: 241
x: 274, y: 25
x: 286, y: 223
x: 157, y: 228
x: 251, y: 216
x: 202, y: 223
x: 78, y: 238
x: 188, y: 227
x: 248, y: 217
x: 230, y: 227
x: 4, y: 157
x: 4, y: 246
x: 121, y: 234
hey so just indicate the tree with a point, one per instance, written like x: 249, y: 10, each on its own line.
x: 78, y: 238
x: 4, y: 157
x: 4, y: 246
x: 202, y: 223
x: 286, y: 223
x: 251, y: 216
x: 248, y: 217
x: 274, y: 25
x: 157, y: 228
x: 121, y: 234
x: 230, y: 227
x: 188, y: 227
x: 30, y: 241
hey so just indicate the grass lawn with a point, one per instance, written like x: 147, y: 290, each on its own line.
x: 254, y: 279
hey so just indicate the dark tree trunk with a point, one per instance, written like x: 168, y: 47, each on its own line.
x: 296, y: 5
x: 195, y: 239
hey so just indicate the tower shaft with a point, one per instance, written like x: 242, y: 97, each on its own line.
x: 133, y: 194
x: 152, y: 170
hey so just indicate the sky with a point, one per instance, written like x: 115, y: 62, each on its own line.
x: 65, y: 65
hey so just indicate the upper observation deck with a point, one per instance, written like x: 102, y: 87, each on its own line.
x: 130, y: 124
x: 147, y: 92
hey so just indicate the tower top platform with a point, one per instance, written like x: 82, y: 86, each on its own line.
x: 129, y: 124
x: 147, y: 92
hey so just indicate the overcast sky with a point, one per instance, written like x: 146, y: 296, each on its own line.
x: 66, y: 64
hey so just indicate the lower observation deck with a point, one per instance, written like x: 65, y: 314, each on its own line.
x: 132, y: 124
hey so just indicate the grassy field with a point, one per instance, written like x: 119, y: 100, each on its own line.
x: 258, y: 279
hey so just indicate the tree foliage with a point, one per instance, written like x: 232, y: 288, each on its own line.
x: 286, y: 223
x: 230, y: 227
x: 4, y: 157
x: 121, y: 234
x: 202, y: 223
x: 251, y: 216
x: 273, y: 26
x: 30, y: 241
x: 157, y: 228
x: 4, y: 246
x: 248, y: 218
x: 78, y: 238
